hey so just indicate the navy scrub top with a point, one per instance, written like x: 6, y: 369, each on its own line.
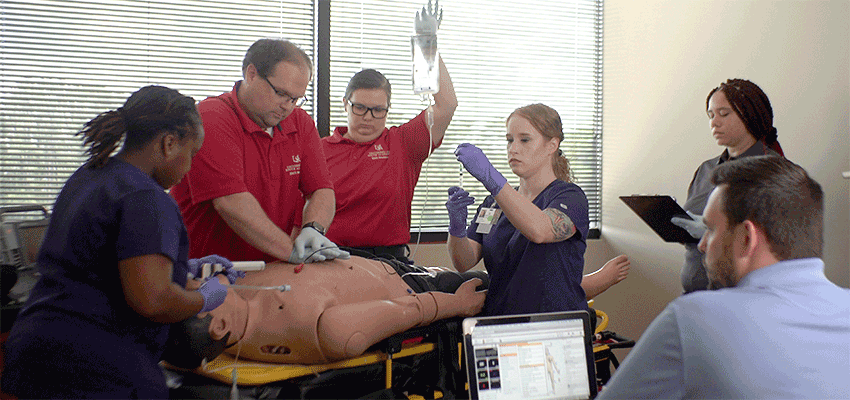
x: 526, y: 277
x: 77, y: 336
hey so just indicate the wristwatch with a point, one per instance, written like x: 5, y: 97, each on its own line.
x: 315, y: 225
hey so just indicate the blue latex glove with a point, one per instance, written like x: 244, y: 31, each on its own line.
x: 311, y: 246
x: 195, y: 265
x: 474, y: 160
x: 214, y: 293
x: 694, y: 226
x: 459, y: 199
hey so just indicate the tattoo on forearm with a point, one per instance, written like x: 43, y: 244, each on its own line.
x: 562, y: 225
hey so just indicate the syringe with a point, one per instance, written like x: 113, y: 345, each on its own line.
x: 282, y: 288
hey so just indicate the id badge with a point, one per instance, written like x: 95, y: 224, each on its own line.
x: 486, y: 218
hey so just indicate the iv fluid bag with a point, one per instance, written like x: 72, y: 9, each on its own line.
x: 426, y: 70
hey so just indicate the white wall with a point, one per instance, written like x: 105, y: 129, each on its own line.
x: 662, y: 57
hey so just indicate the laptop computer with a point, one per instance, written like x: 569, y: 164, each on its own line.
x: 530, y: 356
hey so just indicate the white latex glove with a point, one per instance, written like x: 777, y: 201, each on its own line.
x: 311, y: 246
x: 694, y: 226
x: 428, y: 20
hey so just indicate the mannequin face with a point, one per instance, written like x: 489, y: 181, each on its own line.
x: 726, y: 126
x: 528, y: 150
x: 365, y: 128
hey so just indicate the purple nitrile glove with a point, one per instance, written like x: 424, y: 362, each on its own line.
x: 474, y: 160
x: 214, y: 293
x: 459, y: 199
x: 195, y: 265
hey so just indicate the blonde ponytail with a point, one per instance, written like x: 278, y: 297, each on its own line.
x: 561, y: 166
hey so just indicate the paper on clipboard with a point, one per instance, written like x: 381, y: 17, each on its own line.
x: 656, y: 211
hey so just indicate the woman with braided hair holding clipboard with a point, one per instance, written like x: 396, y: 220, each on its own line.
x: 741, y: 120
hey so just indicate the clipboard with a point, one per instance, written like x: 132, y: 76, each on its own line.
x: 656, y: 211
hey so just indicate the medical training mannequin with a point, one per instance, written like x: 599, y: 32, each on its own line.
x: 335, y: 309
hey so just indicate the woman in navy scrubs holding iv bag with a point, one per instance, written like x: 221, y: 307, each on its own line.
x: 114, y: 261
x: 532, y: 238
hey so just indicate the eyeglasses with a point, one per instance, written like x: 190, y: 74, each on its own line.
x: 298, y: 101
x: 361, y: 110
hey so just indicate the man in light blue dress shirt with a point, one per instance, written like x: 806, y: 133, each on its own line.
x: 779, y: 329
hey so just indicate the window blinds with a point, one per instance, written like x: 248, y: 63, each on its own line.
x: 500, y: 55
x: 62, y: 62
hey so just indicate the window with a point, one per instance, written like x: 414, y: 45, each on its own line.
x: 500, y: 55
x: 66, y: 61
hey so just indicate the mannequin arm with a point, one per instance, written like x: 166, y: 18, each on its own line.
x: 347, y: 330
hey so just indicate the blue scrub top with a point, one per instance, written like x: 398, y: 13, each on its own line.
x: 526, y: 277
x: 77, y: 336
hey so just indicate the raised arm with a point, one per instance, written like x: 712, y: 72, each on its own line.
x: 445, y: 103
x: 539, y: 226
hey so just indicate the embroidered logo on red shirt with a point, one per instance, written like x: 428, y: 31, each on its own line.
x: 380, y: 153
x: 295, y: 168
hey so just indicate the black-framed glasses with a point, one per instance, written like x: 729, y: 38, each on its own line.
x: 358, y: 109
x: 297, y: 101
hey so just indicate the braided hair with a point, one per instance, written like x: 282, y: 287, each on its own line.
x: 753, y: 107
x: 146, y: 113
x: 547, y: 121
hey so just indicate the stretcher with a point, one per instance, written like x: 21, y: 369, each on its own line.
x: 421, y: 363
x: 604, y: 344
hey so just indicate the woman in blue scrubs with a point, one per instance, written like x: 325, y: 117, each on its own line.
x: 532, y: 238
x: 114, y: 261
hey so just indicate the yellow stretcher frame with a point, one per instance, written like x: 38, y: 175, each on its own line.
x: 254, y: 373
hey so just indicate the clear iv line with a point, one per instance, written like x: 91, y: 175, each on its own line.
x: 429, y: 121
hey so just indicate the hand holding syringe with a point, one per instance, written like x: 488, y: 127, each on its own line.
x: 210, y: 269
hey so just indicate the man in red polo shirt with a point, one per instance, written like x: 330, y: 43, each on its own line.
x: 261, y: 160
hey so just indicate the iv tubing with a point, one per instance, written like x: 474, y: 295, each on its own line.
x: 429, y: 120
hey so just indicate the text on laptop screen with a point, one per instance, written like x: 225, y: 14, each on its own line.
x: 531, y: 360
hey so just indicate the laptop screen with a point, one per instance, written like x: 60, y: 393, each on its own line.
x: 534, y: 356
